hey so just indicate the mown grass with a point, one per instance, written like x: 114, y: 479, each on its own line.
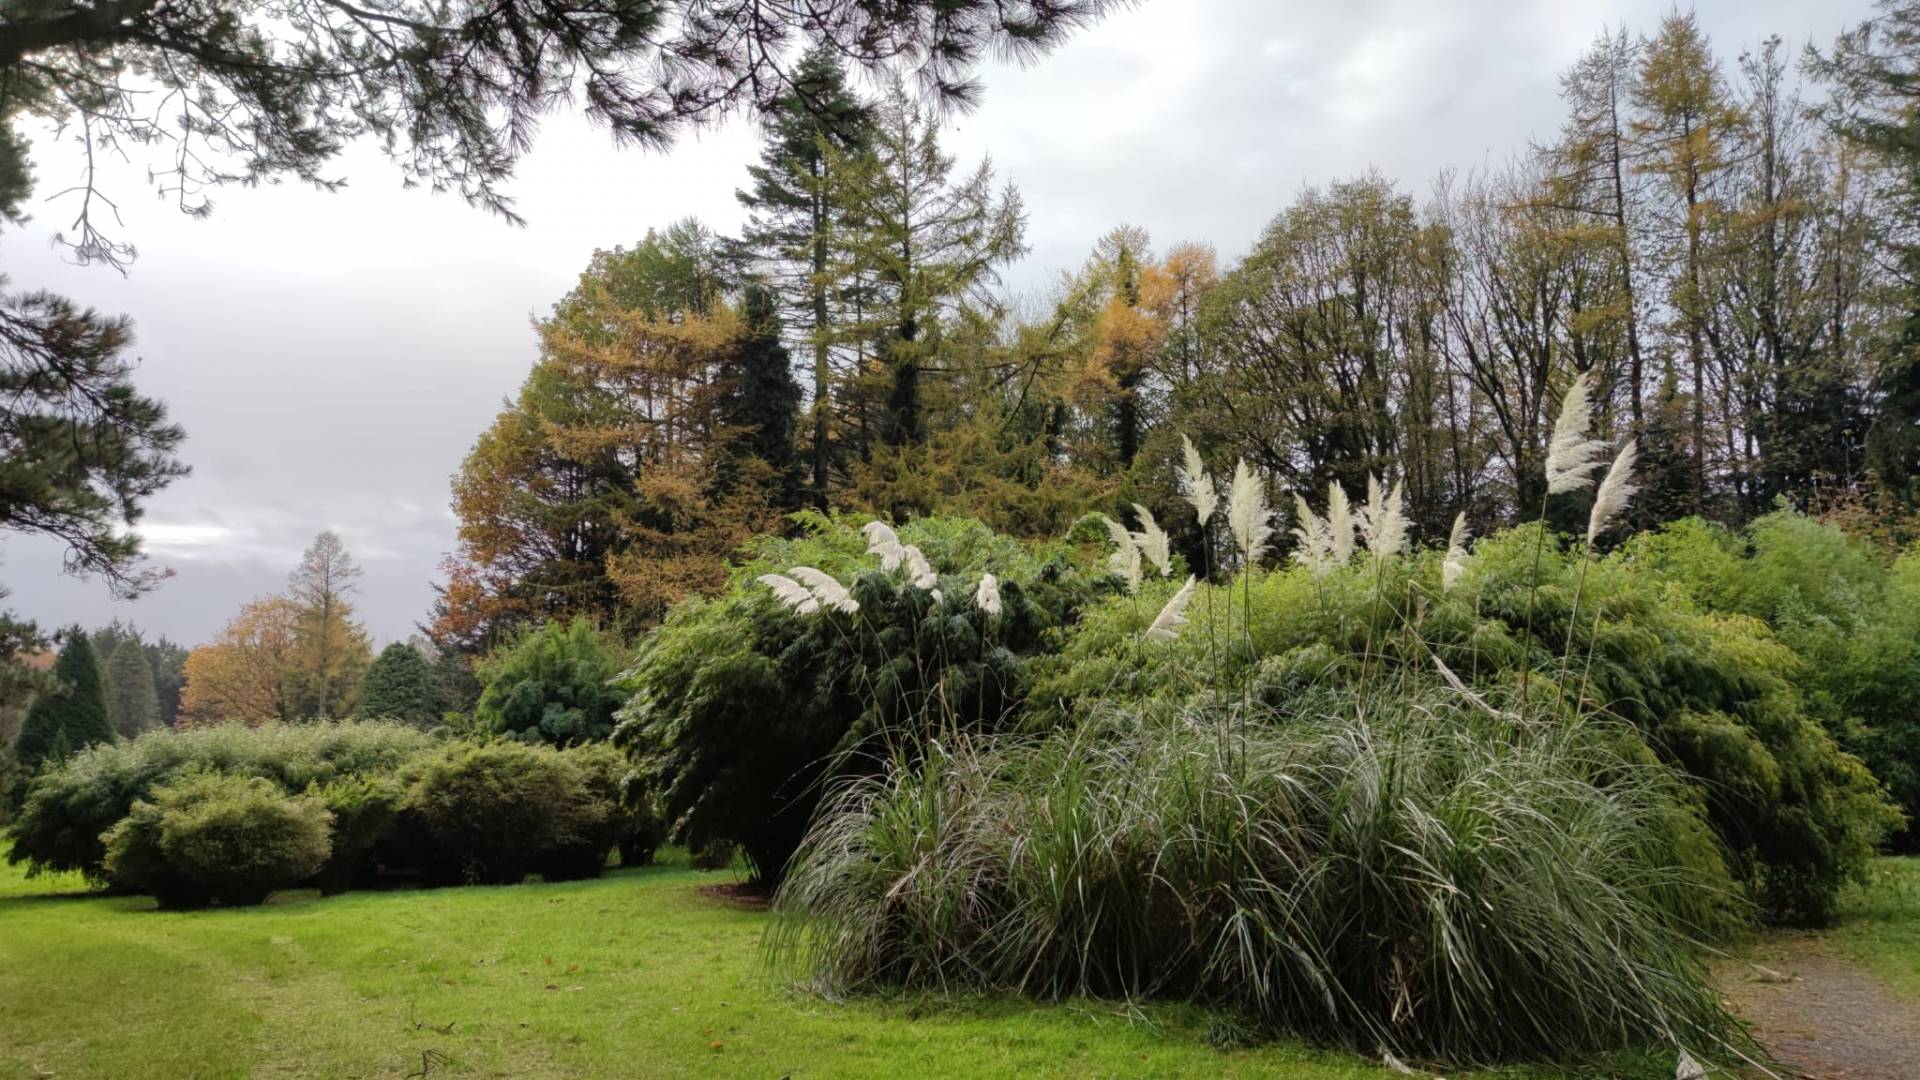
x: 635, y: 974
x: 1880, y: 923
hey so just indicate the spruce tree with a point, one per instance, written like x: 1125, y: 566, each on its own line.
x: 71, y: 718
x: 401, y: 685
x: 133, y: 702
x: 759, y: 397
x: 795, y: 227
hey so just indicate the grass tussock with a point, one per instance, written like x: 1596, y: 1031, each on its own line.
x: 1420, y: 875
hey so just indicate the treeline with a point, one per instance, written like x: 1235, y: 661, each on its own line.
x: 1715, y: 245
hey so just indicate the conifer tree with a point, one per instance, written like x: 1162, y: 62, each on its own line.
x: 928, y: 247
x: 401, y: 685
x: 1875, y: 69
x: 133, y: 702
x: 72, y: 717
x: 331, y: 651
x: 796, y: 226
x: 759, y: 400
x: 1685, y: 123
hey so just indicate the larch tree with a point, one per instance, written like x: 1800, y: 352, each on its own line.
x: 1684, y: 125
x: 1592, y: 174
x: 653, y: 437
x: 331, y: 651
x: 925, y: 246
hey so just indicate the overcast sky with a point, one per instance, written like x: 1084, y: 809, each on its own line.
x: 332, y: 357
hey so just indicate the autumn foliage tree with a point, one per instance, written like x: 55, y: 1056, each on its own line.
x: 331, y: 650
x: 246, y: 675
x: 652, y: 438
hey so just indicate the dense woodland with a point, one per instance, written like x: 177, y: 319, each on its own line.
x: 1701, y: 237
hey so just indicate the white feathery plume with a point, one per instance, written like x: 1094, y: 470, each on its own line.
x: 1615, y: 492
x: 826, y: 589
x: 1571, y: 456
x: 1383, y: 521
x: 1248, y: 514
x: 1152, y: 542
x: 1125, y: 560
x: 1199, y: 486
x: 791, y: 593
x: 1315, y: 548
x: 1340, y: 524
x: 1166, y: 625
x: 987, y: 596
x: 918, y: 568
x: 937, y: 598
x: 1455, y: 564
x: 884, y: 542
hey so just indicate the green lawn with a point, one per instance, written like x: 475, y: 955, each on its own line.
x: 633, y: 975
x: 1881, y: 923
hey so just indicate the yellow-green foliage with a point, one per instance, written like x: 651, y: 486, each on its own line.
x: 1850, y: 615
x: 489, y: 814
x: 1713, y: 693
x: 69, y: 806
x: 208, y: 838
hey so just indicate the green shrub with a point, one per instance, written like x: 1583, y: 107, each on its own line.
x: 364, y: 810
x: 1712, y: 693
x: 207, y: 838
x: 629, y: 822
x: 68, y: 807
x: 1398, y: 871
x: 742, y: 708
x: 1852, y: 619
x: 488, y: 814
x: 554, y: 685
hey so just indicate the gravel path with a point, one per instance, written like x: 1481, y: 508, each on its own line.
x: 1822, y: 1015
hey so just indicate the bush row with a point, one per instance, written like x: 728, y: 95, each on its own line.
x: 229, y: 814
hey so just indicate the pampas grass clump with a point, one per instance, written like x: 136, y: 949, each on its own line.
x: 1419, y: 876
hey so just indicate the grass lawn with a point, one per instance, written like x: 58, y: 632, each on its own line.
x: 636, y: 974
x: 1880, y: 924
